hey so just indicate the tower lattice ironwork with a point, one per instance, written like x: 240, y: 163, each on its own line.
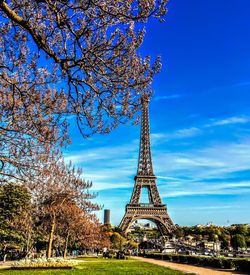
x: 154, y: 210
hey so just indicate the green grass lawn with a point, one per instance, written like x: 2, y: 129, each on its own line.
x: 102, y: 266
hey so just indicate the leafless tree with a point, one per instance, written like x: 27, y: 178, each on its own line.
x: 31, y: 110
x: 60, y: 58
x: 62, y: 195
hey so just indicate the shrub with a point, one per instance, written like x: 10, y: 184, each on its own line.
x: 42, y: 263
x: 167, y: 257
x: 183, y: 258
x: 175, y: 258
x: 227, y: 263
x: 194, y: 259
x: 213, y: 262
x: 242, y: 265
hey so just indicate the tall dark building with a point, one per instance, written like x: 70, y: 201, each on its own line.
x: 106, y: 216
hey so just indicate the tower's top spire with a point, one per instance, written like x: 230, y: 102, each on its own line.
x: 145, y: 167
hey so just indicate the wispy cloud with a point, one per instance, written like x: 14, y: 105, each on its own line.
x: 114, y: 166
x: 228, y: 121
x: 108, y: 167
x: 178, y: 134
x: 101, y: 185
x: 166, y: 97
x: 222, y: 169
x: 188, y: 132
x: 100, y: 153
x: 216, y: 207
x: 243, y: 83
x: 192, y: 131
x: 215, y: 189
x: 213, y: 168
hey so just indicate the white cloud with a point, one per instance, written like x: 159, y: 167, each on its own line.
x: 211, y: 191
x: 157, y: 136
x: 183, y: 173
x: 187, y: 171
x: 211, y: 160
x: 178, y: 134
x: 100, y: 185
x: 207, y: 171
x: 216, y: 207
x: 196, y: 131
x: 110, y: 167
x: 100, y: 153
x: 197, y: 188
x: 188, y: 132
x: 166, y: 97
x: 168, y: 178
x: 246, y: 83
x: 228, y: 121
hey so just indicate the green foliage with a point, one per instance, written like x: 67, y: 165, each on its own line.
x: 132, y: 244
x: 242, y: 265
x: 179, y: 232
x: 15, y: 207
x: 241, y: 229
x: 225, y: 240
x: 237, y: 235
x: 118, y: 241
x: 13, y: 201
x: 247, y: 238
x: 238, y: 241
x: 227, y: 263
x: 139, y: 233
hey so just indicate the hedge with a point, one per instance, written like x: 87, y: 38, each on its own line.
x: 242, y: 265
x: 216, y: 262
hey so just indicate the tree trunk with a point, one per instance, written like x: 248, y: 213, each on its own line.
x: 66, y: 246
x: 28, y: 242
x: 51, y: 236
x: 4, y: 253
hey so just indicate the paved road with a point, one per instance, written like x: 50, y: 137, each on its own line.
x: 188, y: 268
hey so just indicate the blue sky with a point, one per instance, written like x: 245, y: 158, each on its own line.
x: 199, y: 116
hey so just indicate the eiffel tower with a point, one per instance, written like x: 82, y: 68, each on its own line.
x: 155, y: 210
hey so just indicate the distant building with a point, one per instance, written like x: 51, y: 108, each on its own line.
x: 137, y: 225
x: 215, y: 246
x: 106, y: 216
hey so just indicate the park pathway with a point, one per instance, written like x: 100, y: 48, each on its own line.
x: 5, y: 265
x: 188, y: 268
